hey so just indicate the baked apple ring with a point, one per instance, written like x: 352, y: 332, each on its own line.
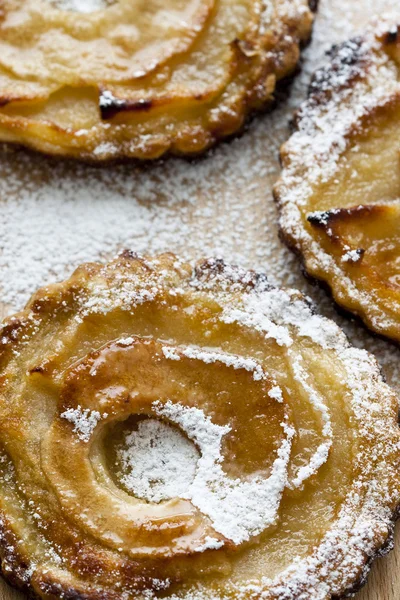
x: 189, y: 433
x: 340, y: 186
x: 138, y: 79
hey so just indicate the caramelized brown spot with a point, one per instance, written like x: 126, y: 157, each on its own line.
x: 363, y: 235
x: 130, y: 254
x: 38, y: 369
x: 212, y: 268
x: 347, y: 65
x: 330, y: 221
x: 111, y: 106
x: 4, y: 100
x: 392, y: 36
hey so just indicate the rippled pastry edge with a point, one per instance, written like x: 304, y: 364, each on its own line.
x: 219, y: 277
x: 342, y: 95
x: 290, y: 33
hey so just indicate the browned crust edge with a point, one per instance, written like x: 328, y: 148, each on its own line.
x: 55, y: 591
x: 323, y: 83
x: 52, y: 590
x: 280, y: 94
x: 340, y: 308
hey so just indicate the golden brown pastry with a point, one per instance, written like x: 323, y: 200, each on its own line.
x: 189, y: 434
x: 138, y: 79
x: 339, y: 194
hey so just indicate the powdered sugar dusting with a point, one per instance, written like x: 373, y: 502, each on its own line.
x: 352, y: 256
x: 320, y: 456
x: 82, y: 6
x: 209, y: 544
x: 158, y: 462
x: 237, y: 509
x: 276, y: 393
x: 272, y: 312
x: 83, y: 420
x: 211, y: 356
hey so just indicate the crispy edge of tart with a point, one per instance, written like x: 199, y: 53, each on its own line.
x: 14, y: 565
x: 190, y: 139
x: 351, y: 63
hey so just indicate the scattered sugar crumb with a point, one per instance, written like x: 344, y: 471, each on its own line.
x: 276, y: 393
x: 352, y: 256
x: 82, y: 6
x: 84, y: 421
x: 209, y: 544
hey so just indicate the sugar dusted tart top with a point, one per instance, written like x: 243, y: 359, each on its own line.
x: 170, y: 432
x: 339, y: 192
x: 138, y: 79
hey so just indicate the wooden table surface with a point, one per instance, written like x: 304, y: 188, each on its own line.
x: 335, y: 20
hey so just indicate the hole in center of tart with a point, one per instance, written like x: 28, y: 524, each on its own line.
x: 153, y: 460
x: 82, y: 6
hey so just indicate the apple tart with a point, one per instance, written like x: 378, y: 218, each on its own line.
x: 138, y: 79
x: 170, y: 432
x: 339, y: 194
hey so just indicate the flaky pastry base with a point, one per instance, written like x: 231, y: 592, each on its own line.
x: 340, y: 186
x: 130, y: 81
x: 297, y: 481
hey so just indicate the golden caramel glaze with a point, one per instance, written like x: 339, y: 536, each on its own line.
x: 339, y: 191
x: 295, y: 436
x: 138, y: 79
